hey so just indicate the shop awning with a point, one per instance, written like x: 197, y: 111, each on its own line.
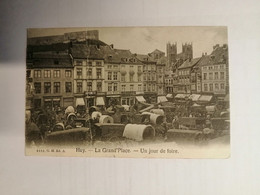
x: 80, y: 102
x: 182, y: 96
x: 194, y: 97
x: 205, y: 98
x: 161, y: 99
x: 196, y: 105
x: 140, y: 99
x: 100, y: 101
x: 169, y: 95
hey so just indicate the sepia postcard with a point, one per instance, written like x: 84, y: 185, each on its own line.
x: 128, y: 92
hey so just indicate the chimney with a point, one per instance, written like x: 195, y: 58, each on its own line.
x: 112, y: 46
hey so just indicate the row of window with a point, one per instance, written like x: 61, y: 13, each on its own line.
x: 149, y: 67
x: 114, y: 87
x: 149, y: 87
x: 112, y: 76
x: 110, y: 87
x: 131, y: 78
x: 168, y: 81
x: 214, y: 87
x: 89, y: 73
x: 56, y: 87
x: 89, y: 63
x: 184, y: 72
x: 184, y: 80
x: 215, y: 67
x: 217, y: 75
x: 109, y: 66
x: 89, y: 87
x: 150, y: 77
x: 47, y: 73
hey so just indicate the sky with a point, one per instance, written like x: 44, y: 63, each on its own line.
x: 143, y: 40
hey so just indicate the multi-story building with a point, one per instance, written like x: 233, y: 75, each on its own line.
x: 112, y: 75
x: 131, y: 78
x: 214, y: 71
x: 51, y: 73
x: 160, y: 76
x: 186, y: 78
x: 169, y: 81
x: 149, y: 77
x: 89, y: 85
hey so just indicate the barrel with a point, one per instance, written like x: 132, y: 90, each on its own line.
x: 71, y: 115
x: 58, y: 127
x: 158, y: 111
x: 139, y: 132
x: 106, y: 119
x: 69, y: 109
x: 96, y: 114
x: 156, y: 119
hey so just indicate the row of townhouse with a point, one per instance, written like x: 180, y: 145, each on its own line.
x: 206, y: 74
x: 64, y: 74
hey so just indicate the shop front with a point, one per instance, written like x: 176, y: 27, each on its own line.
x: 90, y: 98
x: 128, y: 98
x: 113, y: 98
x: 51, y: 102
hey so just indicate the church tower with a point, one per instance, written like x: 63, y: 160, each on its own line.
x: 171, y: 50
x: 187, y: 51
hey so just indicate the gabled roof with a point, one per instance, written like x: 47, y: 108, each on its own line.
x: 86, y: 52
x: 190, y: 63
x: 218, y: 56
x: 49, y: 60
x: 50, y: 55
x: 157, y: 51
x: 123, y: 56
x: 145, y: 58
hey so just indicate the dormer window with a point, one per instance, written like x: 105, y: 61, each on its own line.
x: 124, y: 59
